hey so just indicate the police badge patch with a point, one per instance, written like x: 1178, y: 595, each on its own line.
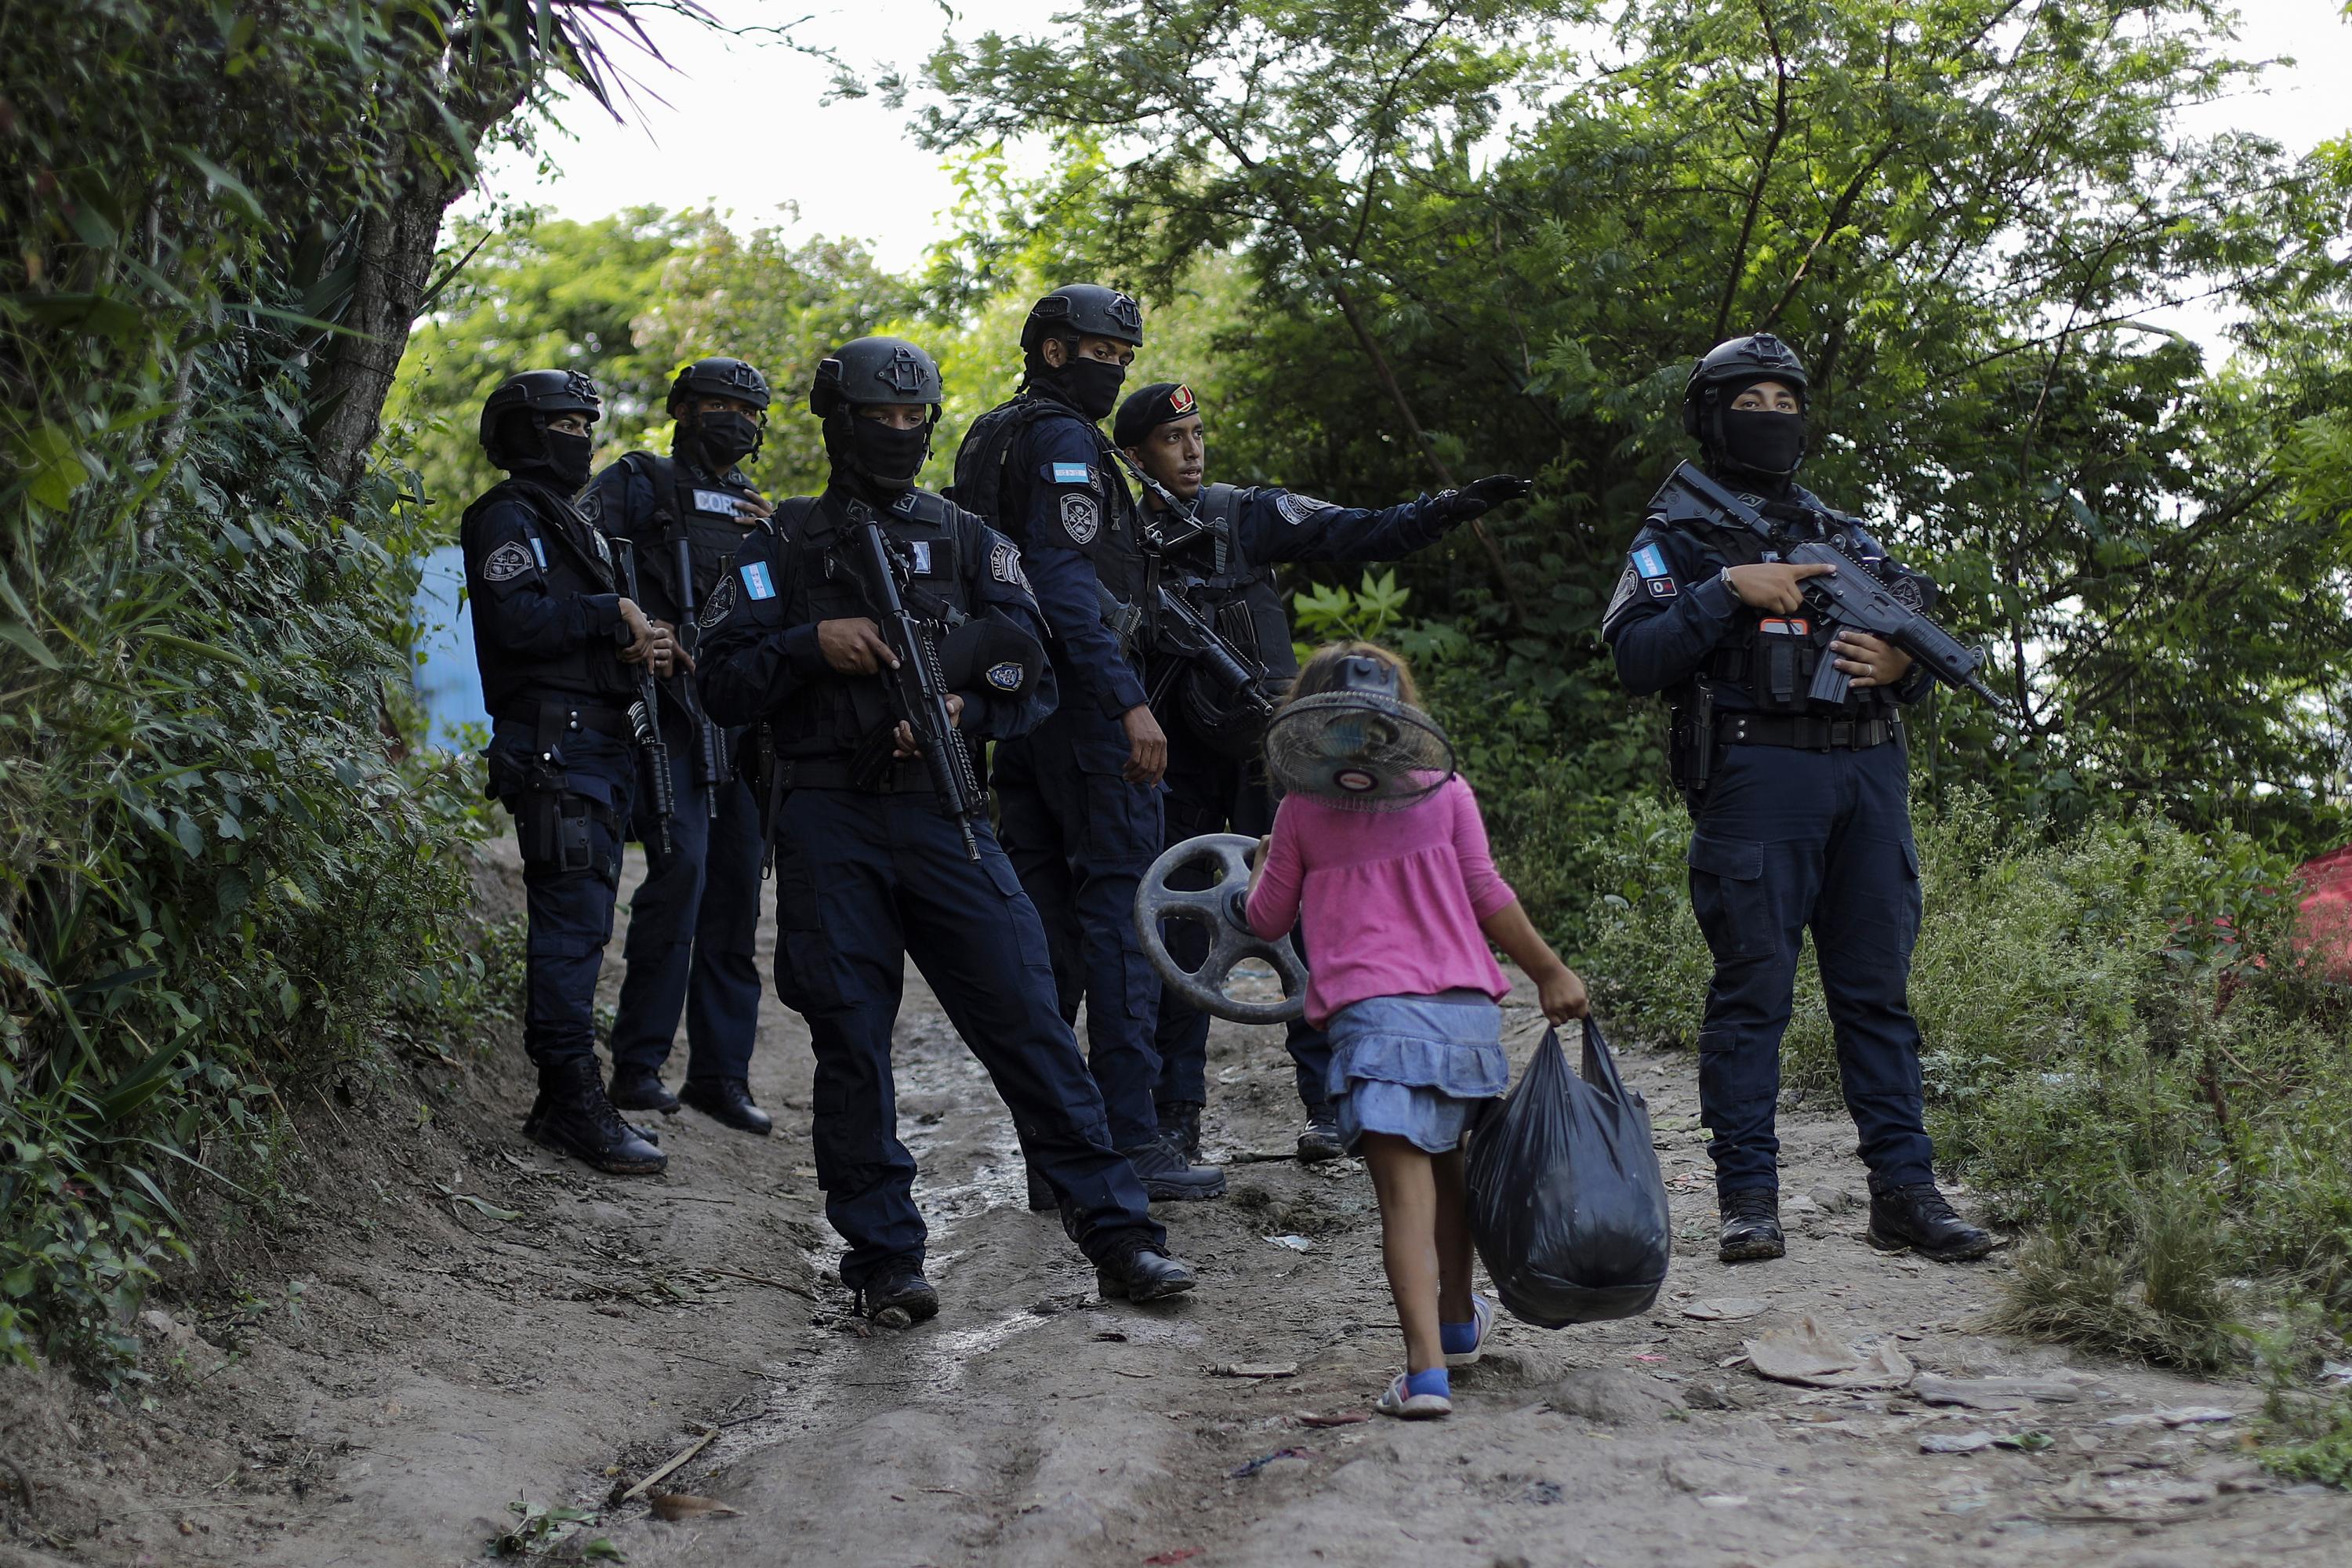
x: 720, y: 604
x: 1080, y: 520
x: 508, y: 561
x: 1004, y: 565
x: 1626, y: 585
x: 1907, y: 591
x: 1006, y: 676
x: 1296, y: 509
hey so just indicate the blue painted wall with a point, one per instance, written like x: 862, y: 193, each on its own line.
x: 448, y: 682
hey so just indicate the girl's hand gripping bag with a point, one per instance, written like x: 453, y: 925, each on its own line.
x: 1567, y: 1204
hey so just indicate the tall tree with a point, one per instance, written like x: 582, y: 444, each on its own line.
x: 1968, y: 213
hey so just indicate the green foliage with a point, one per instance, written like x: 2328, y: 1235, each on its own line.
x: 528, y: 291
x: 1914, y: 192
x: 2103, y: 1059
x: 222, y: 875
x: 2320, y: 1448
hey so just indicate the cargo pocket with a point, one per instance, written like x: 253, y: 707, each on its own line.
x: 804, y: 977
x: 1021, y: 916
x: 1728, y: 896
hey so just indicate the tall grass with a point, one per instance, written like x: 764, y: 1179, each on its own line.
x: 2121, y: 1057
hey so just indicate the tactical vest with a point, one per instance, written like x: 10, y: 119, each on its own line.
x: 983, y: 486
x: 714, y: 532
x: 833, y: 715
x: 1771, y: 657
x: 578, y: 562
x: 1247, y: 606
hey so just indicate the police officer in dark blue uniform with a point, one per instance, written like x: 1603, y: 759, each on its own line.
x: 695, y: 920
x: 1080, y: 797
x: 1801, y: 813
x: 553, y: 636
x: 1216, y: 773
x: 869, y: 872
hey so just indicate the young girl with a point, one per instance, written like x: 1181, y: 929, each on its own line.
x: 1402, y: 904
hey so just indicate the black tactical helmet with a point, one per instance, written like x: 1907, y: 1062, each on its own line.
x: 541, y: 394
x: 1083, y: 310
x: 719, y: 376
x: 871, y: 371
x: 1723, y: 370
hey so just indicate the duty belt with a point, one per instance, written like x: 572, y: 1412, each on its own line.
x: 550, y: 721
x: 1804, y: 733
x: 906, y: 776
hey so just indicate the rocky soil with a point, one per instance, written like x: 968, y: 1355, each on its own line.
x: 459, y: 1332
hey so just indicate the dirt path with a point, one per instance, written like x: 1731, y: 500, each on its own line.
x: 446, y: 1361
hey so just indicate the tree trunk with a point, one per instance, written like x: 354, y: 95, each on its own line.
x: 397, y: 246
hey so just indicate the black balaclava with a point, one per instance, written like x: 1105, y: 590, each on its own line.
x: 562, y: 459
x: 1088, y: 385
x: 722, y: 439
x: 568, y: 457
x: 884, y: 459
x: 1761, y: 442
x: 1758, y: 441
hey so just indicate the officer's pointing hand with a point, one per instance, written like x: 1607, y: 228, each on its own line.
x: 1870, y: 660
x: 1480, y: 497
x: 1775, y: 587
x: 854, y: 646
x: 1147, y: 746
x: 642, y: 635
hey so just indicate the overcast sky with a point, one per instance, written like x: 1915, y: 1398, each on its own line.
x: 742, y: 128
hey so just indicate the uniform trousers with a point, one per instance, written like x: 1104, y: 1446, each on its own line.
x: 863, y: 883
x: 694, y: 927
x: 1785, y: 842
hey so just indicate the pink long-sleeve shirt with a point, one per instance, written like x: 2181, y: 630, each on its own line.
x: 1393, y: 899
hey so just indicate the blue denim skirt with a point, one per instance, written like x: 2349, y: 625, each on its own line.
x: 1416, y: 1067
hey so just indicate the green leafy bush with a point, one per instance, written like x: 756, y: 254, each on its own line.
x: 221, y: 873
x: 2107, y: 1061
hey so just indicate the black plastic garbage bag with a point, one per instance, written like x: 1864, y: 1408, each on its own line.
x: 1567, y: 1204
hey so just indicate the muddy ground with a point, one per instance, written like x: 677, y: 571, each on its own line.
x: 474, y: 1324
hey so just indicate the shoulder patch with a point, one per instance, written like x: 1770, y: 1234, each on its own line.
x: 1006, y: 676
x: 1004, y: 565
x: 720, y: 605
x: 1627, y: 585
x: 1071, y: 474
x: 590, y: 504
x: 1081, y: 519
x: 1296, y: 509
x: 1907, y: 591
x: 756, y: 581
x: 508, y: 561
x: 1651, y: 562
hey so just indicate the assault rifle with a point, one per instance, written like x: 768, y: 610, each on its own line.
x: 1853, y: 596
x: 918, y: 691
x: 645, y: 719
x: 1171, y: 625
x: 712, y: 766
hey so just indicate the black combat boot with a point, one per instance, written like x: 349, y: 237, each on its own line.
x: 1320, y: 1141
x: 633, y: 1090
x: 1140, y: 1269
x: 898, y: 1295
x: 1167, y: 1177
x: 1921, y: 1219
x: 574, y: 1117
x: 1751, y: 1226
x: 1180, y: 1129
x: 728, y: 1102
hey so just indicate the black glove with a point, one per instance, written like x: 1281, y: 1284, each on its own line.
x: 1480, y: 497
